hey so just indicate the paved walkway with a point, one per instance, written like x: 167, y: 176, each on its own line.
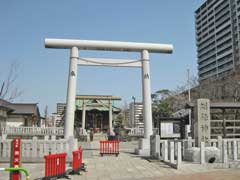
x: 130, y: 166
x: 226, y: 174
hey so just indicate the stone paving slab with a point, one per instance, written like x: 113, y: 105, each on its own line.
x: 224, y: 174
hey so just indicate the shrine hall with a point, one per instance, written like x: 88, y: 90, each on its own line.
x: 95, y: 112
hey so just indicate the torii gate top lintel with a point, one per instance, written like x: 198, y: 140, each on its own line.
x: 108, y: 45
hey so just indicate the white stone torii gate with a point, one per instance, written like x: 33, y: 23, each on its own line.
x: 143, y: 48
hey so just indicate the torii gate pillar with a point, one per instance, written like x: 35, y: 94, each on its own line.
x: 146, y: 94
x: 71, y: 93
x: 144, y: 144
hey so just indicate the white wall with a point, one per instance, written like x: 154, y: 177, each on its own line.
x: 15, y: 121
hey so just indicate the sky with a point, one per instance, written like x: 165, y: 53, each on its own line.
x: 42, y: 73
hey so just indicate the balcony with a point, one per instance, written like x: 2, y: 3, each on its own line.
x: 206, y: 63
x: 225, y: 61
x: 226, y: 68
x: 207, y: 69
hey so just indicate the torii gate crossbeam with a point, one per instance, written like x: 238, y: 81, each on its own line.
x: 143, y: 48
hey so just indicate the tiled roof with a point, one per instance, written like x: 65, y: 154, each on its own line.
x: 4, y: 102
x: 5, y: 105
x: 24, y: 108
x: 98, y: 97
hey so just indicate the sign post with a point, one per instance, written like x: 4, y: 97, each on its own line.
x: 16, y: 159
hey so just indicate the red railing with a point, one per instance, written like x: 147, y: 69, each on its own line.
x: 55, y: 165
x: 109, y: 147
x: 77, y: 160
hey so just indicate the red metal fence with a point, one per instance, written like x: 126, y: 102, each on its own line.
x: 55, y: 165
x: 77, y: 164
x: 109, y: 147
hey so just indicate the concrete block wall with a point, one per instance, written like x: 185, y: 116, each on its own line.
x: 173, y: 151
x: 34, y: 150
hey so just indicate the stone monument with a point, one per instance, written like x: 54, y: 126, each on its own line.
x: 202, y: 125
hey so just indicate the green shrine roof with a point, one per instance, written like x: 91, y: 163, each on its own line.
x: 100, y: 103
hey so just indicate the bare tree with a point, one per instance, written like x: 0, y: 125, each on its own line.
x: 8, y: 89
x: 179, y: 96
x: 166, y: 102
x: 225, y: 89
x: 122, y: 117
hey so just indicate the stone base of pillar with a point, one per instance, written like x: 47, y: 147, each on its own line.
x: 143, y: 147
x: 72, y: 146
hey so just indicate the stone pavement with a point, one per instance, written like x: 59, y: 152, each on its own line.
x: 130, y: 166
x: 224, y: 174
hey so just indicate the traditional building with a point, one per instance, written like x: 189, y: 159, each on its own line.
x: 224, y: 119
x: 95, y: 112
x: 19, y: 114
x: 4, y: 110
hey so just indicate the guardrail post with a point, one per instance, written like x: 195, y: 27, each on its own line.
x: 179, y: 153
x: 34, y: 147
x: 165, y: 150
x: 202, y: 153
x: 157, y: 146
x: 229, y: 147
x: 189, y: 142
x: 53, y: 137
x: 234, y: 150
x: 171, y: 151
x: 219, y: 143
x: 238, y: 146
x: 46, y: 137
x: 224, y: 152
x: 184, y: 144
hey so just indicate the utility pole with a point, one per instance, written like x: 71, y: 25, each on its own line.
x: 189, y: 85
x: 134, y: 101
x: 189, y: 100
x: 46, y: 115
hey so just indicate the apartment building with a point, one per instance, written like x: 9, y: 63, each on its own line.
x: 61, y: 108
x: 136, y: 114
x: 217, y: 24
